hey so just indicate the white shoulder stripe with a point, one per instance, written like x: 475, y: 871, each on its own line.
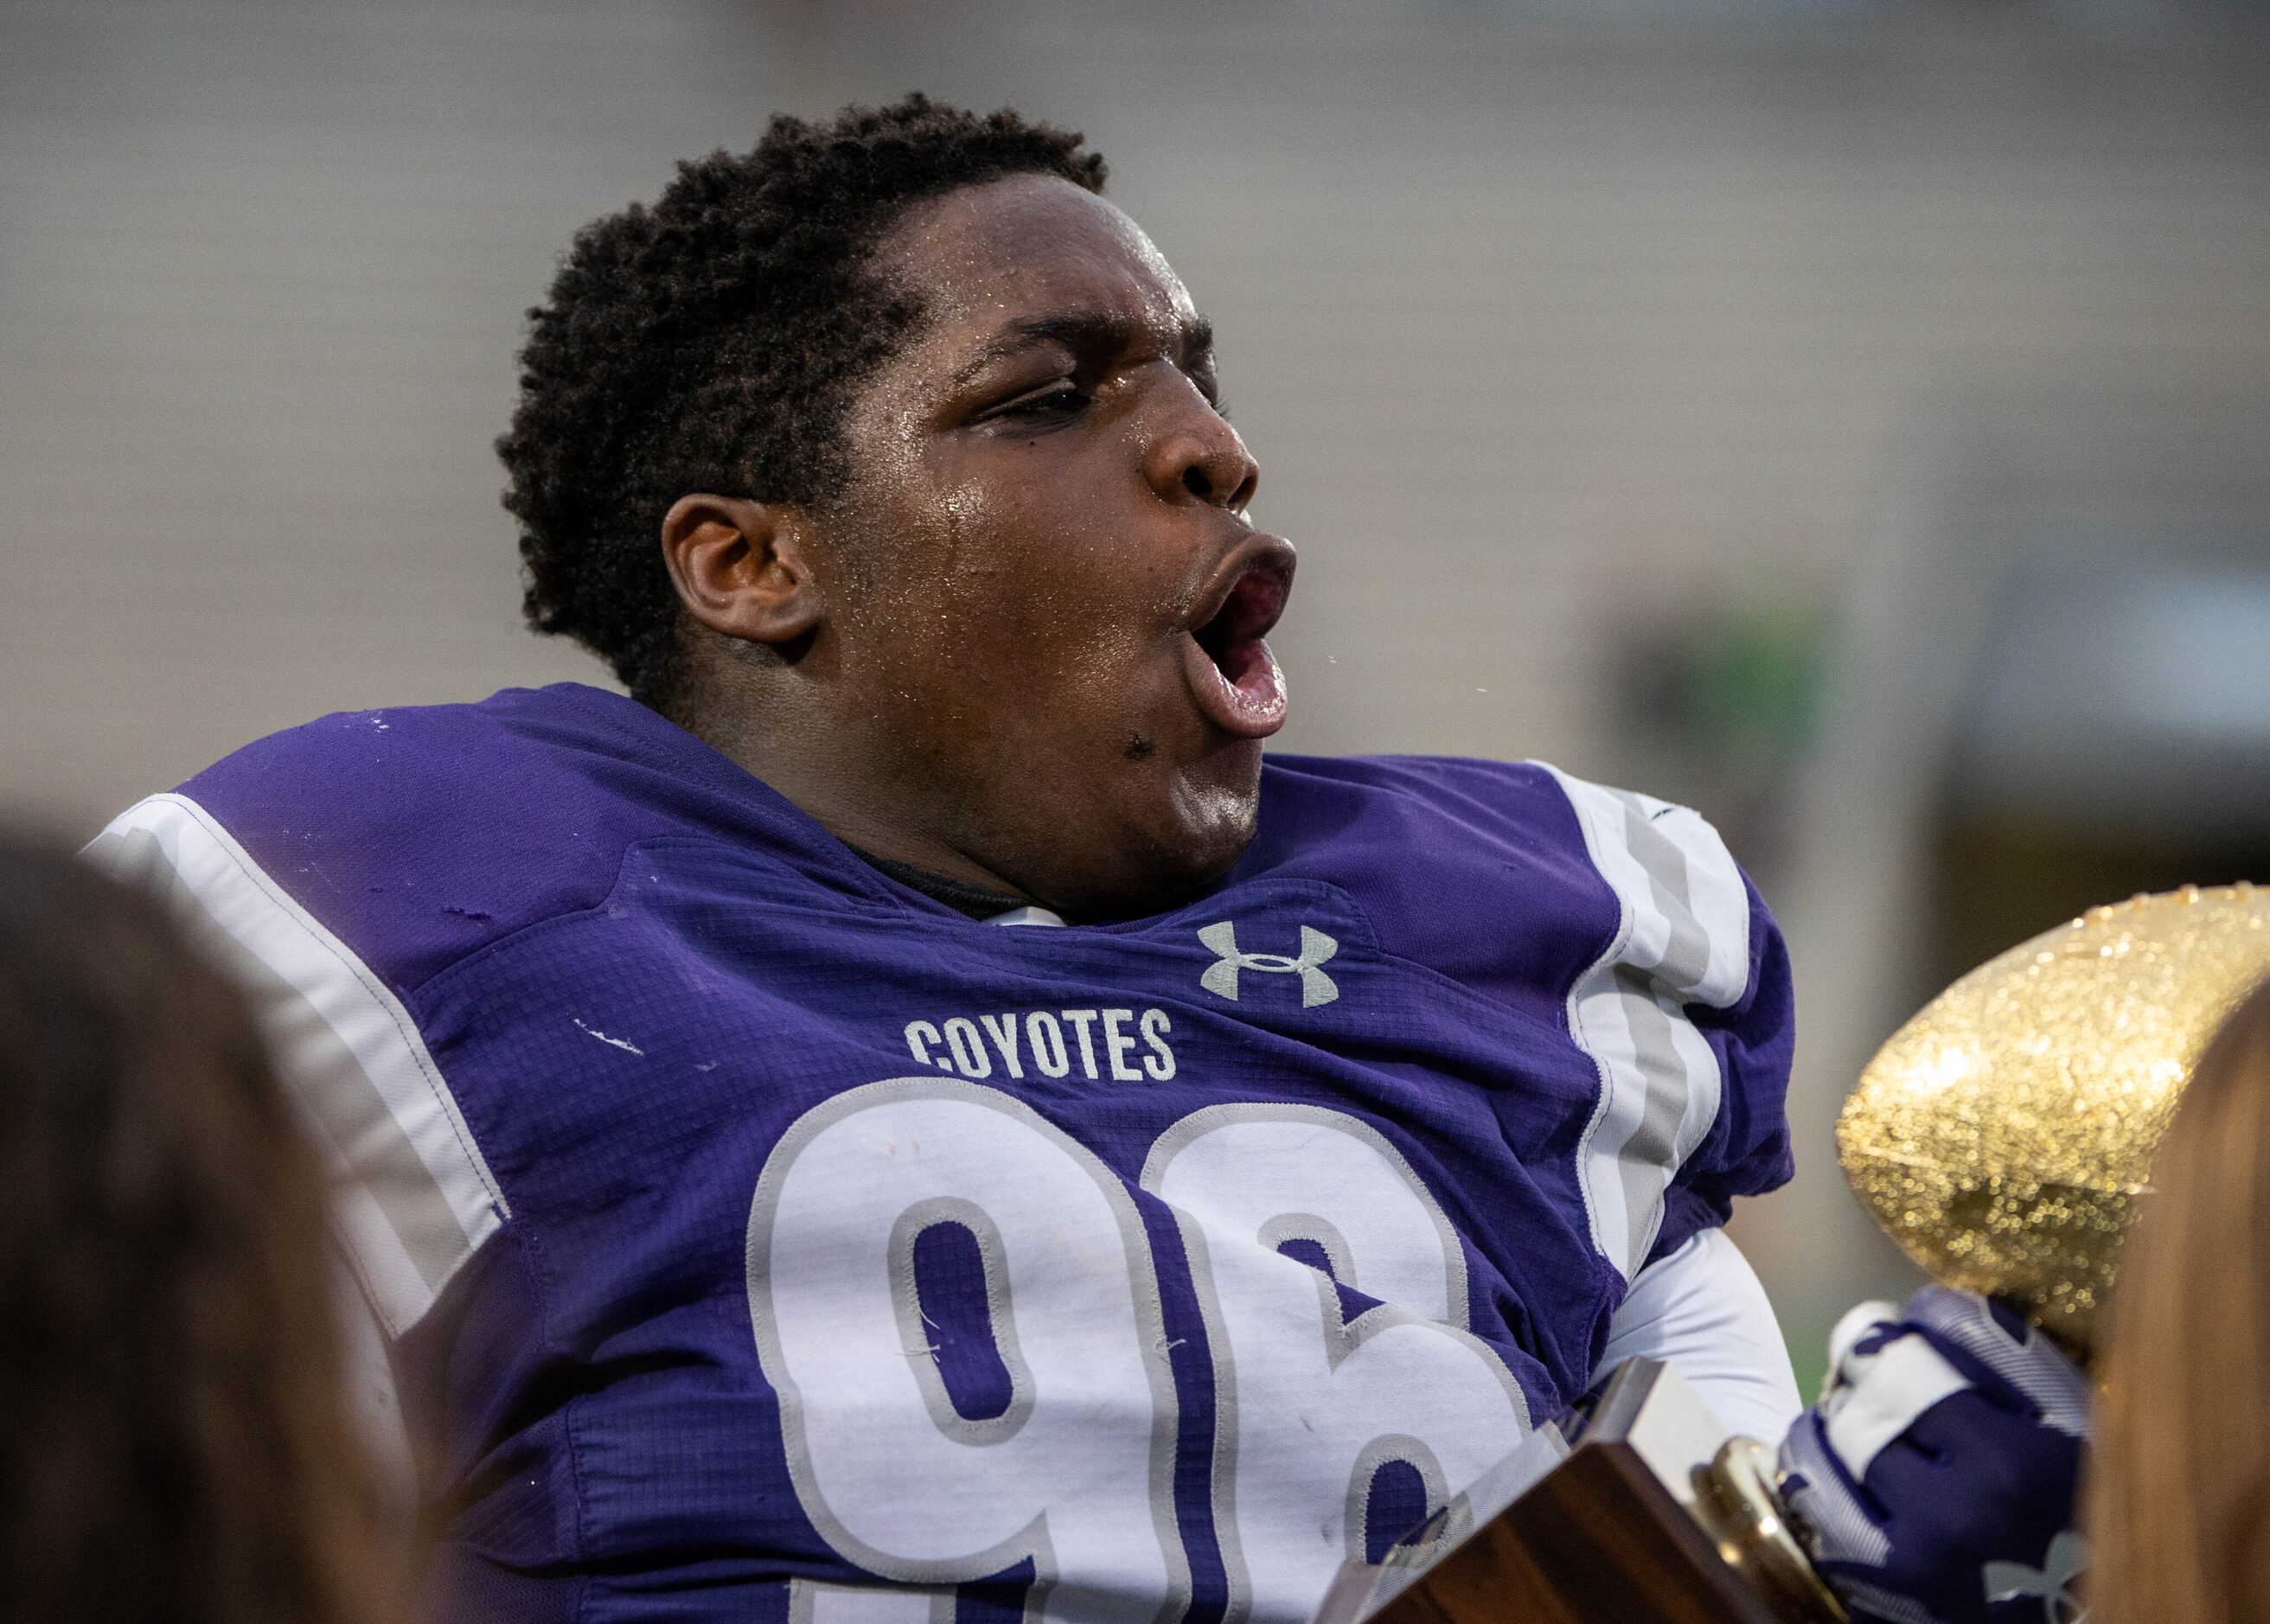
x: 1683, y: 937
x: 413, y: 1197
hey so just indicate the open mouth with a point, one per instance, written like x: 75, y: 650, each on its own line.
x: 1233, y: 676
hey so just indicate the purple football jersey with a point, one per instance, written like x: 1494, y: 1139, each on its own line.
x: 759, y: 1237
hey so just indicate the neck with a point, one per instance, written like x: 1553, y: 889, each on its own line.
x: 870, y: 809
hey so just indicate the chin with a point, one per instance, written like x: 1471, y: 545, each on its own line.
x: 1159, y: 863
x: 1208, y: 825
x: 1154, y: 834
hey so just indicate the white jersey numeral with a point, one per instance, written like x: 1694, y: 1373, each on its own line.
x: 1069, y: 1462
x: 812, y: 1602
x: 1309, y: 1404
x: 1076, y: 1472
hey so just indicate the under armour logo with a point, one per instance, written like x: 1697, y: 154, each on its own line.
x: 1316, y: 947
x: 2052, y: 1581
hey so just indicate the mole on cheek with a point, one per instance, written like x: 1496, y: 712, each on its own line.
x: 1139, y: 746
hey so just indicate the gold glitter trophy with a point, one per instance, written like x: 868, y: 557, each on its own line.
x: 2002, y: 1137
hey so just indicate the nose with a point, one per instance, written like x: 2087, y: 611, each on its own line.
x: 1198, y: 457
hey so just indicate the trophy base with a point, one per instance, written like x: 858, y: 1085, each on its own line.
x: 1655, y: 1516
x: 1599, y: 1541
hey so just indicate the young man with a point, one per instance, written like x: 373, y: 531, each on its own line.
x: 908, y: 1110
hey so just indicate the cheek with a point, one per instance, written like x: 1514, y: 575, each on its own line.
x: 992, y: 584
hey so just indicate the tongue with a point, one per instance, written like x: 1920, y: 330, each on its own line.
x: 1240, y: 692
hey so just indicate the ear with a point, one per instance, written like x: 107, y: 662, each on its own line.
x: 739, y: 567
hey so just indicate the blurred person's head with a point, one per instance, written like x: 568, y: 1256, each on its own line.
x: 2179, y: 1504
x: 173, y: 1441
x: 888, y: 458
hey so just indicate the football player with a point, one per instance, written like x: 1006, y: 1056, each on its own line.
x: 907, y: 1112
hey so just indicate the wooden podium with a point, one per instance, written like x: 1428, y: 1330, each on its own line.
x: 1652, y: 1516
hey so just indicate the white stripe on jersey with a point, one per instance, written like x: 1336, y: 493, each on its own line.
x: 1683, y: 937
x: 413, y: 1197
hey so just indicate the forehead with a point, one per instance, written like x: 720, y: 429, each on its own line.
x: 1026, y: 245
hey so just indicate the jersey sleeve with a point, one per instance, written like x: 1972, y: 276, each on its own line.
x: 1686, y: 1015
x: 412, y: 1196
x: 1701, y: 1309
x: 1746, y: 1149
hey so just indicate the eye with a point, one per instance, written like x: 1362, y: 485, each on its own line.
x: 1209, y: 387
x: 1060, y: 399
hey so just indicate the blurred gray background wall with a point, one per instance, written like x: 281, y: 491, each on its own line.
x: 1752, y: 401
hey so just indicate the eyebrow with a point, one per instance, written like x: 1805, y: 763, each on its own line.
x: 1087, y: 332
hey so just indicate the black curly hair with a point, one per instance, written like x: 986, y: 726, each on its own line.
x: 714, y: 342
